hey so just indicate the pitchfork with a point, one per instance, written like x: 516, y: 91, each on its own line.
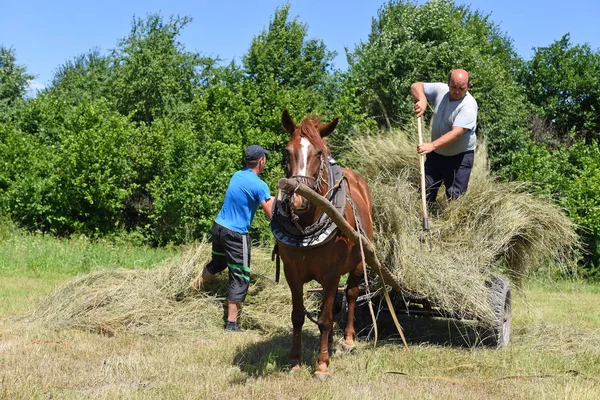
x: 427, y: 234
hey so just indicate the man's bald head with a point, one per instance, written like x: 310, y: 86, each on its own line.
x: 459, y: 83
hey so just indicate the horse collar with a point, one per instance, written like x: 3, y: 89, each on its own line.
x: 288, y: 232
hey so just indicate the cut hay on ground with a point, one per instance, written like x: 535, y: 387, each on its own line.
x: 160, y: 302
x: 495, y: 227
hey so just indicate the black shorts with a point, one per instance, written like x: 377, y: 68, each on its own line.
x: 231, y: 249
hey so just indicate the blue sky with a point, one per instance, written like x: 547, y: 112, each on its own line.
x: 45, y: 34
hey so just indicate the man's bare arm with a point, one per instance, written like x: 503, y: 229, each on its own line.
x: 267, y: 207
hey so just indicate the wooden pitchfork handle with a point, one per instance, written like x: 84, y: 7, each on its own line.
x: 422, y: 170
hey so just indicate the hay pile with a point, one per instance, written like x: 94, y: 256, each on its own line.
x: 160, y: 302
x: 494, y: 227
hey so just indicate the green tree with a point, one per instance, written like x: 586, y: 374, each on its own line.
x: 73, y: 180
x: 14, y: 80
x: 152, y: 74
x: 82, y: 78
x: 562, y: 82
x: 234, y: 106
x: 570, y: 177
x: 284, y: 54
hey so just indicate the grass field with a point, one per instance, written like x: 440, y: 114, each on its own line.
x: 554, y: 351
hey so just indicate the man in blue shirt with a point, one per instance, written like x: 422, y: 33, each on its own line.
x: 450, y: 153
x: 230, y: 238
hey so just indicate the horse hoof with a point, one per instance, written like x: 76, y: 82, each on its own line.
x: 321, y: 376
x: 348, y: 349
x: 294, y: 369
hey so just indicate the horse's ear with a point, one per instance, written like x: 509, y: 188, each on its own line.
x: 287, y: 122
x: 328, y: 129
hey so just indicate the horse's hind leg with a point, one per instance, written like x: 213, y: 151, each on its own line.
x: 351, y: 296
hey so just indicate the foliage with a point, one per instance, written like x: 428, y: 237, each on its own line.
x: 72, y: 179
x: 284, y: 54
x: 562, y: 83
x: 146, y: 137
x: 571, y: 178
x: 152, y: 74
x: 410, y: 43
x: 83, y: 78
x: 14, y: 80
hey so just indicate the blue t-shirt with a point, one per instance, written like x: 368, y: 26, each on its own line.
x: 245, y: 192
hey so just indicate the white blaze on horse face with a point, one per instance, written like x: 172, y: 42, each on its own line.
x: 305, y: 143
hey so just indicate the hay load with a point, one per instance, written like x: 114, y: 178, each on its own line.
x: 494, y: 227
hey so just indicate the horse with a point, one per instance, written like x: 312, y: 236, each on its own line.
x: 308, y: 161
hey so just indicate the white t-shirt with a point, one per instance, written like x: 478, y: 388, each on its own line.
x: 447, y: 114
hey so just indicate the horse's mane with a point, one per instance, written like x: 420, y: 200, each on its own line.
x: 309, y: 128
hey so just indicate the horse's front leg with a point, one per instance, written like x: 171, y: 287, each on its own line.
x: 325, y: 323
x: 297, y: 323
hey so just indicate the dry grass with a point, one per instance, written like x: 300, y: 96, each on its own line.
x: 554, y: 355
x: 160, y: 301
x: 494, y: 227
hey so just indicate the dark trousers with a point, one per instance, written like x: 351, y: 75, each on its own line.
x: 453, y: 171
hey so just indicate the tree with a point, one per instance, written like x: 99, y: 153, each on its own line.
x: 284, y: 54
x: 14, y: 79
x: 562, y: 82
x: 152, y: 74
x: 84, y: 77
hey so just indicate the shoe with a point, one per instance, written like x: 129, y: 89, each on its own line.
x: 232, y: 327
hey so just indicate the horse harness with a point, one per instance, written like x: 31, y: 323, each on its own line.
x: 284, y: 223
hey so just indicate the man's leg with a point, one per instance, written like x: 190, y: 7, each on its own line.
x: 217, y: 263
x: 433, y: 176
x: 233, y: 308
x: 237, y: 247
x: 458, y: 182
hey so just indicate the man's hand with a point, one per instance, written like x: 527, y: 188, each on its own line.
x: 420, y: 107
x: 425, y: 148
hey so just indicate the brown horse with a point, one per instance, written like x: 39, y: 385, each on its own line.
x: 307, y: 160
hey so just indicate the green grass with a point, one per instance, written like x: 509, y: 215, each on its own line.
x: 43, y: 256
x: 33, y: 265
x: 554, y: 351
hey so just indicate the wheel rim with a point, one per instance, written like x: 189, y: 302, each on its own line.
x: 506, y: 323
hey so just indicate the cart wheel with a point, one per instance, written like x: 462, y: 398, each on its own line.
x: 498, y: 334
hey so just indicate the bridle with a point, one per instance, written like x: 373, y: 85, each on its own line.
x: 311, y: 182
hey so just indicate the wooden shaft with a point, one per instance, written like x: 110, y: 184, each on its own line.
x: 422, y: 170
x: 291, y: 185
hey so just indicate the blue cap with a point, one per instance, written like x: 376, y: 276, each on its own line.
x: 254, y: 152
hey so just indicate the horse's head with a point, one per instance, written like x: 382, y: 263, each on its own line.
x: 306, y: 155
